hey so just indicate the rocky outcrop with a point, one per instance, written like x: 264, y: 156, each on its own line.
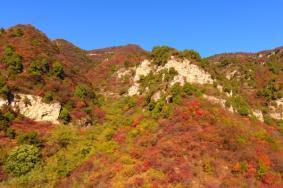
x: 219, y: 101
x: 276, y: 111
x: 142, y: 70
x: 3, y: 102
x: 187, y: 72
x: 32, y: 107
x: 215, y: 100
x: 258, y: 114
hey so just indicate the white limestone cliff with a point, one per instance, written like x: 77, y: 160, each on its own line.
x: 32, y: 107
x: 187, y: 72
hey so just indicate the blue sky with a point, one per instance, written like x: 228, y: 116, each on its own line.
x: 208, y: 26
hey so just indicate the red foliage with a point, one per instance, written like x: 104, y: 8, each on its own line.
x: 3, y: 175
x: 270, y: 178
x: 137, y: 121
x: 138, y: 182
x: 99, y: 113
x: 78, y: 114
x: 264, y: 159
x: 29, y: 125
x: 251, y: 171
x: 80, y: 104
x: 120, y: 136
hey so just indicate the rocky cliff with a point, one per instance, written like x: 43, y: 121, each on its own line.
x: 34, y: 108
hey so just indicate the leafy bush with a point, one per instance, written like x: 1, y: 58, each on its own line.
x: 13, y: 60
x: 11, y: 133
x: 65, y: 115
x: 170, y: 74
x: 22, y: 159
x: 159, y: 108
x: 191, y: 54
x: 271, y: 91
x: 239, y: 104
x: 160, y: 54
x: 83, y: 91
x: 274, y: 67
x: 35, y: 68
x: 57, y: 70
x: 4, y: 124
x: 80, y: 91
x: 189, y: 89
x: 30, y: 138
x: 176, y: 91
x: 39, y: 66
x: 128, y: 64
x: 5, y: 92
x: 63, y: 136
x: 48, y: 97
x: 18, y: 32
x: 9, y: 116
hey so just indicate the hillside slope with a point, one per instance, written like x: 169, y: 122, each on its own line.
x: 125, y: 117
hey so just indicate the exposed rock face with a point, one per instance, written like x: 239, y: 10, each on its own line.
x: 32, y: 107
x: 156, y: 96
x: 188, y: 72
x: 142, y: 70
x: 134, y: 89
x: 276, y: 112
x: 219, y: 101
x: 258, y: 114
x: 3, y: 102
x: 84, y: 122
x: 214, y: 100
x: 231, y: 74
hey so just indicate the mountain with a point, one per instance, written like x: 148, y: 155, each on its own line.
x: 126, y: 117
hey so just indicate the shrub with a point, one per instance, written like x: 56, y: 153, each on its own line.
x: 26, y: 101
x: 160, y: 54
x: 11, y: 133
x: 239, y: 104
x: 63, y: 136
x: 10, y: 116
x: 15, y: 65
x: 80, y: 91
x: 35, y: 68
x: 13, y: 60
x: 191, y: 54
x: 48, y: 97
x: 159, y: 108
x: 18, y: 32
x: 261, y: 171
x: 5, y: 92
x: 176, y: 91
x: 30, y: 138
x: 170, y: 74
x: 44, y: 65
x: 22, y: 159
x: 189, y: 89
x: 65, y: 115
x: 271, y: 91
x: 274, y: 67
x: 4, y: 125
x: 57, y: 70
